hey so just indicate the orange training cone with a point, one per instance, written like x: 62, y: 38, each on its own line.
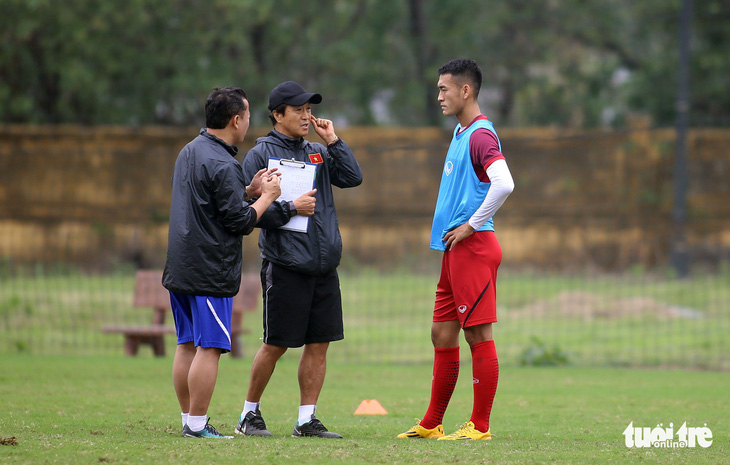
x: 370, y: 407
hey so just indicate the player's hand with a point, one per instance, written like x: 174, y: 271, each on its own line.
x: 270, y: 186
x: 306, y: 203
x: 253, y: 190
x: 457, y: 235
x: 324, y: 129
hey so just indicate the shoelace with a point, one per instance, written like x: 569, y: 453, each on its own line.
x: 211, y: 429
x: 258, y: 421
x: 465, y: 428
x: 460, y: 432
x: 317, y: 425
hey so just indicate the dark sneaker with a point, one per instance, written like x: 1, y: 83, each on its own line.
x: 253, y: 425
x: 207, y: 432
x: 314, y: 428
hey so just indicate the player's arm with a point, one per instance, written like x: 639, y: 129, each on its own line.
x: 254, y: 188
x: 269, y: 190
x: 491, y: 167
x: 343, y: 167
x: 228, y: 195
x: 501, y: 187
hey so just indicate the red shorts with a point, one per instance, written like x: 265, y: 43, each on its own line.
x: 467, y: 288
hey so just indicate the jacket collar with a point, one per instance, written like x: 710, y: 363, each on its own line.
x: 286, y: 141
x: 229, y: 148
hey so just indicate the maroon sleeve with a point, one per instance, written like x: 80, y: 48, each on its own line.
x: 484, y: 148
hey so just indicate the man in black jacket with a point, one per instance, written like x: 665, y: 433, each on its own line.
x: 302, y: 302
x: 209, y: 214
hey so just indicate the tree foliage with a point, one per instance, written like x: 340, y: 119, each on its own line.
x: 580, y: 63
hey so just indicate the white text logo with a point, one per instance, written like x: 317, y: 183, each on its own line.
x: 665, y: 437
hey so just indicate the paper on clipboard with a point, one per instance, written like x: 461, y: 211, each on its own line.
x: 297, y: 178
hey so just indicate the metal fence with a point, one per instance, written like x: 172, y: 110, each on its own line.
x: 634, y: 318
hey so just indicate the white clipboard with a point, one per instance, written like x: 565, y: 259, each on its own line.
x: 297, y: 178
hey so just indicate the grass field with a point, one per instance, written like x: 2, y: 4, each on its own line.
x: 633, y: 319
x: 111, y: 409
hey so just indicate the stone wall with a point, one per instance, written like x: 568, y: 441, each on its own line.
x: 100, y: 196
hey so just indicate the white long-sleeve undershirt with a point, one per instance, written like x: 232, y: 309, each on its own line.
x: 501, y: 187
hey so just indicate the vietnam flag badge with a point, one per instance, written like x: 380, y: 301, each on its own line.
x: 315, y: 158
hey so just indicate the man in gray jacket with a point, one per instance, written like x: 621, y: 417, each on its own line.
x: 209, y: 214
x: 302, y: 302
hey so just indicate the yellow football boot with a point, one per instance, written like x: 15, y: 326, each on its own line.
x: 468, y: 432
x: 418, y: 432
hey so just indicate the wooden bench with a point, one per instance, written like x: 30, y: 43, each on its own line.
x: 149, y: 292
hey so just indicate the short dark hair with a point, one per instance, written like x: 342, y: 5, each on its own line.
x: 222, y: 105
x: 464, y: 69
x: 280, y: 109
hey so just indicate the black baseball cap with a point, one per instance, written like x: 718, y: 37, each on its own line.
x: 291, y: 93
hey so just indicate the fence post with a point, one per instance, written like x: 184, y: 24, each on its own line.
x: 679, y: 253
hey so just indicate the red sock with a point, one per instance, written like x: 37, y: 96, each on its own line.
x: 485, y: 368
x: 445, y: 374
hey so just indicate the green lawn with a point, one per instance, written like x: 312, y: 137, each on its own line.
x: 111, y: 409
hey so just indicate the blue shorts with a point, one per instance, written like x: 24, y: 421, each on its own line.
x: 206, y: 321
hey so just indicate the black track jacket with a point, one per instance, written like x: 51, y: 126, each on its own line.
x: 208, y: 219
x: 319, y: 250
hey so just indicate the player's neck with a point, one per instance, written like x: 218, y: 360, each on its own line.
x: 223, y: 134
x: 468, y: 113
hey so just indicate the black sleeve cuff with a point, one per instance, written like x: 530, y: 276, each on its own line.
x: 292, y: 209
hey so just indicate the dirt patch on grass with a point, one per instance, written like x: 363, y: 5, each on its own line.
x: 11, y: 441
x: 577, y: 304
